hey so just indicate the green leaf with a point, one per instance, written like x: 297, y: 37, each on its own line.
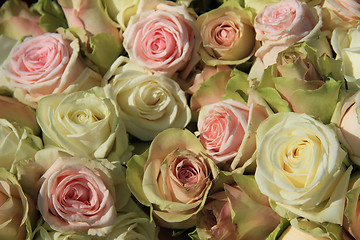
x: 52, y: 15
x: 134, y: 177
x: 274, y: 99
x: 237, y: 86
x: 284, y: 224
x: 319, y: 103
x: 105, y: 50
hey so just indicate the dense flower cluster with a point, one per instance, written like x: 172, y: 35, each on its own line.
x: 187, y: 119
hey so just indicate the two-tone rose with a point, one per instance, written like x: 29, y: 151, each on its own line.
x: 173, y: 176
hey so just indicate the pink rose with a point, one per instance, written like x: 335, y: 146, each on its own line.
x: 281, y: 24
x: 222, y: 127
x: 347, y: 11
x: 164, y: 40
x: 227, y: 130
x: 82, y: 14
x: 17, y: 21
x: 47, y: 64
x: 76, y: 195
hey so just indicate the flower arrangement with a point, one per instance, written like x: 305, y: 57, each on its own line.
x: 187, y: 119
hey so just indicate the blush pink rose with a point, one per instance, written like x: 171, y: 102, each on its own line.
x: 347, y: 10
x: 281, y: 24
x: 222, y: 127
x: 47, y: 64
x: 164, y: 40
x: 75, y: 197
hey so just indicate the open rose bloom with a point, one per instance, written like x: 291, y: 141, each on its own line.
x: 164, y: 40
x: 47, y: 64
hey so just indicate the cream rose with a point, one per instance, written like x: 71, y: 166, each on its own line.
x: 148, y: 103
x: 164, y: 40
x: 228, y: 36
x: 85, y: 123
x: 175, y: 177
x: 281, y: 24
x: 77, y: 195
x: 346, y: 46
x: 17, y: 143
x: 300, y: 167
x: 47, y: 64
x: 17, y: 209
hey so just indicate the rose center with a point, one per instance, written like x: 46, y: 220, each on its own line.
x: 186, y: 173
x: 78, y: 193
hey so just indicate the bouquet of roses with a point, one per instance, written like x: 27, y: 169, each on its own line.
x: 187, y: 119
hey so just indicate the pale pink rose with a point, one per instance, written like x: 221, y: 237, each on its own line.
x: 75, y: 197
x: 17, y: 21
x: 89, y: 15
x: 222, y: 127
x: 47, y: 64
x: 164, y: 40
x: 349, y: 125
x: 281, y: 24
x: 347, y: 10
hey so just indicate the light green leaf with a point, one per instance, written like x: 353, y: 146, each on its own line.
x: 105, y: 50
x: 237, y: 86
x: 134, y: 177
x: 52, y: 16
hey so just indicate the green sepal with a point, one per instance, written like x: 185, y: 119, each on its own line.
x: 134, y: 177
x: 52, y: 15
x: 237, y: 86
x: 105, y: 50
x: 283, y: 225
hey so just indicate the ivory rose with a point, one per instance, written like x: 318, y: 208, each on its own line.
x: 17, y: 209
x: 224, y: 130
x: 345, y: 43
x: 84, y: 123
x: 164, y: 40
x: 47, y: 64
x: 281, y: 24
x: 17, y: 143
x: 148, y: 103
x: 173, y: 177
x: 300, y: 167
x: 228, y: 35
x: 121, y: 11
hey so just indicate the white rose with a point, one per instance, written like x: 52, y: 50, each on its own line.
x: 148, y: 103
x: 300, y: 167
